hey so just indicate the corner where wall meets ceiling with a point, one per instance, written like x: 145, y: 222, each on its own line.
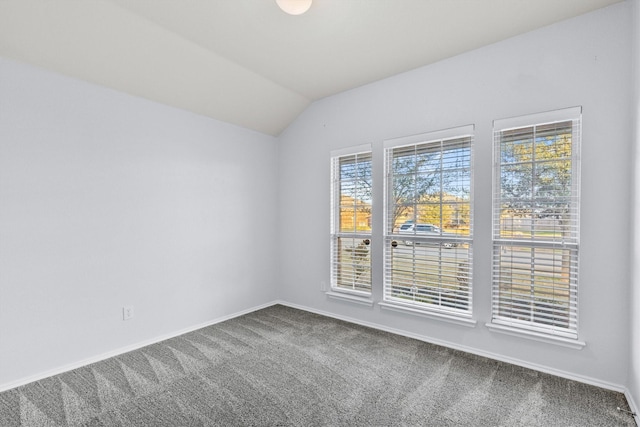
x: 245, y: 61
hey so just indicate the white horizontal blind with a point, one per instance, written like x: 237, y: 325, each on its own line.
x: 428, y: 221
x: 536, y: 223
x: 351, y: 222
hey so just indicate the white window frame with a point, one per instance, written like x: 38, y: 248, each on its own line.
x: 515, y: 312
x: 392, y: 239
x: 363, y: 238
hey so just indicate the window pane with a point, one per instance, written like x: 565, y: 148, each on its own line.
x: 402, y: 214
x: 430, y: 273
x: 457, y: 217
x: 430, y: 213
x: 516, y: 145
x: 351, y: 215
x: 347, y: 168
x: 536, y: 187
x: 364, y: 168
x: 552, y: 179
x: 355, y: 193
x: 534, y: 284
x: 427, y: 262
x: 352, y: 263
x: 456, y: 183
x: 347, y: 219
x: 516, y: 184
x: 430, y: 184
x: 348, y: 191
x: 535, y: 259
x: 428, y: 159
x: 456, y: 156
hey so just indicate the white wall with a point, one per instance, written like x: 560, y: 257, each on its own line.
x: 584, y: 61
x: 634, y: 374
x: 109, y: 200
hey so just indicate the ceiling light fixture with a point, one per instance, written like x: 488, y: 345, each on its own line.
x: 294, y: 7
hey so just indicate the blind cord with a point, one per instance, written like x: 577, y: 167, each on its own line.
x: 627, y: 412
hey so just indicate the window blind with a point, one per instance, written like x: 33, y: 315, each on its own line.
x: 351, y: 221
x: 536, y: 223
x: 428, y: 221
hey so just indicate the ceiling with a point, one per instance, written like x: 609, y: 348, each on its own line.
x: 245, y: 61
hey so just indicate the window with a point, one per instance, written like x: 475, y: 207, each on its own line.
x: 351, y: 220
x: 428, y: 223
x: 535, y: 223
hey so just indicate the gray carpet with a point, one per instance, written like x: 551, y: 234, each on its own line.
x: 285, y: 367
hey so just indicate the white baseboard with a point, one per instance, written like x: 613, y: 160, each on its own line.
x: 541, y: 368
x: 568, y: 375
x: 633, y: 405
x: 122, y: 350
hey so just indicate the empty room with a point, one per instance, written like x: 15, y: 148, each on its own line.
x: 319, y: 212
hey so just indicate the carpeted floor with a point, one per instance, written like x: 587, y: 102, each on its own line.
x: 285, y: 367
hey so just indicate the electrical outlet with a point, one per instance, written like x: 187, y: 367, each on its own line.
x: 323, y: 286
x: 127, y: 312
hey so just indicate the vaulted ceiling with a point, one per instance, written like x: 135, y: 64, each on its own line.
x: 245, y: 61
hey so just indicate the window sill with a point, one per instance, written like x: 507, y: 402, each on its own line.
x: 536, y: 336
x: 344, y: 296
x: 429, y: 314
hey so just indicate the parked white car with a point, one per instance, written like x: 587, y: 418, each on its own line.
x: 424, y: 230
